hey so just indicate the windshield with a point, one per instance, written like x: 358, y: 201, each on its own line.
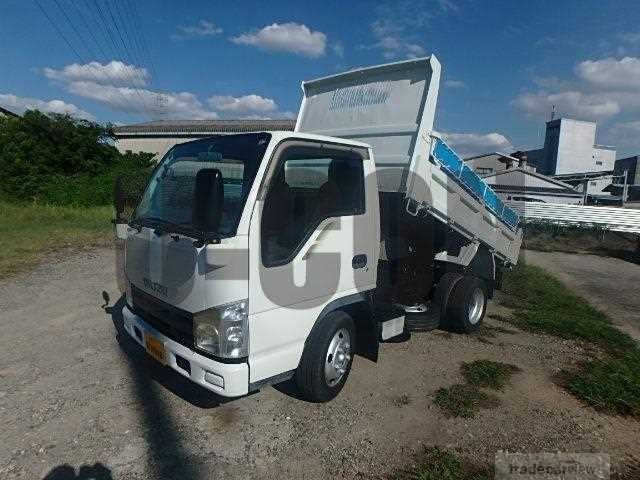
x: 168, y: 200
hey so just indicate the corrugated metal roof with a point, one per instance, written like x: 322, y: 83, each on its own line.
x: 8, y: 112
x: 204, y: 126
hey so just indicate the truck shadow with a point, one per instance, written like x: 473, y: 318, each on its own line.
x: 169, y: 379
x: 97, y: 471
x: 167, y: 455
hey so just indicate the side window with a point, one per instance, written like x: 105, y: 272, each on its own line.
x: 308, y: 186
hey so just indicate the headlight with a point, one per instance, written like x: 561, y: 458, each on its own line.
x: 223, y: 331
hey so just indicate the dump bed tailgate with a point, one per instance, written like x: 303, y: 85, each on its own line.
x: 386, y: 106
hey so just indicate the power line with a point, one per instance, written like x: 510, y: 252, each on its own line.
x: 126, y: 19
x: 127, y: 52
x: 88, y: 29
x: 143, y: 40
x: 115, y: 47
x: 95, y: 40
x: 87, y: 47
x: 59, y: 31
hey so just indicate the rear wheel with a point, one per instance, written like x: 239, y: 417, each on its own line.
x: 327, y: 357
x: 467, y: 305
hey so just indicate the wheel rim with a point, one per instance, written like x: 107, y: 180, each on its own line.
x: 338, y: 357
x: 476, y: 306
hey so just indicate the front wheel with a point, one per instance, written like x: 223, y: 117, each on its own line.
x: 327, y: 358
x: 467, y: 305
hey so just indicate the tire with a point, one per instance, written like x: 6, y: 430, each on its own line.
x: 322, y: 373
x: 467, y: 305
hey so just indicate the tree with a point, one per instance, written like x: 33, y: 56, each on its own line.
x: 56, y: 158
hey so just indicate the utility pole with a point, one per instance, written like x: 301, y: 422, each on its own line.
x: 625, y: 187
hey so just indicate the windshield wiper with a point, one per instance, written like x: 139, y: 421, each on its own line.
x: 160, y: 225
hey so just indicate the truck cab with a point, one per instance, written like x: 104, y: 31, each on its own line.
x: 253, y: 258
x: 230, y: 301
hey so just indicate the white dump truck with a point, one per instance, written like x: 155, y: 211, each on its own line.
x: 254, y: 258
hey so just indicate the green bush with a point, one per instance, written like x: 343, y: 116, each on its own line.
x: 59, y: 160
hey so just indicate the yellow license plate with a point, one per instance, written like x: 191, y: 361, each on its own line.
x: 154, y: 347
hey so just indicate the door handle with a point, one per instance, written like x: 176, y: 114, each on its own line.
x: 359, y: 261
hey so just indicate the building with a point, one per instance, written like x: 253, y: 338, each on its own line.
x: 631, y: 167
x: 570, y: 148
x: 7, y: 113
x: 158, y: 137
x: 490, y: 163
x: 593, y: 185
x: 520, y: 185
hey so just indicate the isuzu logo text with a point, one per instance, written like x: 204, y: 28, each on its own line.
x: 155, y: 286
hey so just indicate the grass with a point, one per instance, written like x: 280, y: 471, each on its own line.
x: 439, y: 464
x: 610, y: 381
x: 29, y: 232
x: 486, y: 373
x: 463, y: 400
x: 544, y: 304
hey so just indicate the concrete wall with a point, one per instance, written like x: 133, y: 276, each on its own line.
x: 595, y: 186
x: 486, y: 165
x: 519, y: 179
x: 604, y: 159
x: 575, y: 147
x: 157, y: 146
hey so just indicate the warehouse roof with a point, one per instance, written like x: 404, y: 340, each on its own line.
x: 8, y: 112
x: 200, y: 127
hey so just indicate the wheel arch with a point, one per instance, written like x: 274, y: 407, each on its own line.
x: 483, y: 265
x: 359, y: 307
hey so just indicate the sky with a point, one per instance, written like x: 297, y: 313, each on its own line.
x: 505, y: 63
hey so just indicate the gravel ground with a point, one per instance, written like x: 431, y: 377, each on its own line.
x: 608, y: 283
x: 73, y: 395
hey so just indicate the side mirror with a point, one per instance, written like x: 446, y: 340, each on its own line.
x: 208, y: 199
x: 119, y: 200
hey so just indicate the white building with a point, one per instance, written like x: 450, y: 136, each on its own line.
x: 493, y: 162
x: 519, y: 185
x: 158, y: 137
x: 570, y: 148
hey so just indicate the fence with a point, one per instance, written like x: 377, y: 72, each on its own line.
x: 608, y: 218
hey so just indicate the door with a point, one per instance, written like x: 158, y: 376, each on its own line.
x: 311, y: 241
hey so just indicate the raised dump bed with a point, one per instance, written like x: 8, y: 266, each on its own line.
x: 392, y: 107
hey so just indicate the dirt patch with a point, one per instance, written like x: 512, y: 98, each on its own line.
x: 71, y: 394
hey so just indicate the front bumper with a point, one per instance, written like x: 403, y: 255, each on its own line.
x: 226, y: 379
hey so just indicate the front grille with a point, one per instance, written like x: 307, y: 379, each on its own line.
x: 167, y: 319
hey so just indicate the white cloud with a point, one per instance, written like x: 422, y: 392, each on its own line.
x: 21, y: 104
x: 592, y: 106
x: 203, y: 28
x: 468, y: 144
x: 178, y: 105
x: 458, y: 84
x: 447, y: 5
x: 286, y: 37
x: 338, y: 49
x: 390, y: 40
x: 244, y: 104
x: 106, y: 84
x: 625, y: 134
x: 611, y: 73
x: 114, y: 72
x: 630, y: 37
